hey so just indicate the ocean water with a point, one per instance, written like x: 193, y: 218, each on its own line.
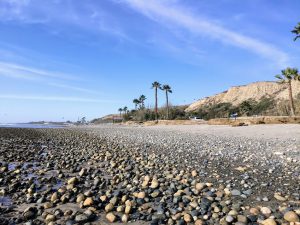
x: 29, y: 125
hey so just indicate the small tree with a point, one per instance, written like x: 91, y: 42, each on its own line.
x: 246, y: 107
x: 120, y: 111
x: 125, y: 110
x: 167, y: 90
x: 136, y: 102
x: 156, y: 85
x: 142, y: 99
x: 296, y: 31
x: 286, y: 77
x: 83, y: 120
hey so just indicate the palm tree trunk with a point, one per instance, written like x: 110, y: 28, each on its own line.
x: 156, y: 113
x: 291, y: 99
x: 167, y: 98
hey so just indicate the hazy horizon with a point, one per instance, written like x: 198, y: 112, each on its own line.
x: 64, y: 59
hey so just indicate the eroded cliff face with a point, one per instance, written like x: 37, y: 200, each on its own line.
x: 255, y: 91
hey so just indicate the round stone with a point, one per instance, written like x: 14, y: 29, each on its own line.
x: 88, y: 202
x: 265, y: 210
x: 187, y: 218
x: 125, y: 218
x: 291, y: 216
x: 229, y: 219
x: 111, y: 217
x: 269, y: 221
x: 141, y: 195
x: 109, y: 207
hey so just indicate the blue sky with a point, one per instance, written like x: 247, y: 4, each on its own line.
x: 64, y: 59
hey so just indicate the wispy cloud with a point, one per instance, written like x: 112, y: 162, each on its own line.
x: 168, y: 15
x: 70, y: 87
x: 25, y: 72
x: 86, y: 15
x: 54, y: 79
x: 56, y: 98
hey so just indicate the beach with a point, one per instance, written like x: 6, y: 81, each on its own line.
x: 176, y: 174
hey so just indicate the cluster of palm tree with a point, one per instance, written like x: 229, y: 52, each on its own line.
x: 289, y: 74
x: 139, y: 102
x: 124, y: 109
x: 296, y: 31
x: 157, y: 86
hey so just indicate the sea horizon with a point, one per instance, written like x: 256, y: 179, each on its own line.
x: 30, y: 125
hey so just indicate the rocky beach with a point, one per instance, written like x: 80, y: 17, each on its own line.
x: 150, y: 175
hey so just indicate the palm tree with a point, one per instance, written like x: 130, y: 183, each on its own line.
x: 136, y: 102
x: 120, y: 111
x: 156, y: 85
x: 286, y: 77
x: 296, y: 31
x: 125, y: 109
x: 168, y: 90
x: 142, y: 99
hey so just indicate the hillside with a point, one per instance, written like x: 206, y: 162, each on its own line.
x: 107, y: 119
x: 254, y: 91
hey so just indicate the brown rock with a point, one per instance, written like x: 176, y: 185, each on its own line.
x: 269, y: 222
x: 199, y: 222
x: 254, y: 211
x: 125, y: 218
x: 194, y: 173
x: 80, y: 198
x: 127, y: 209
x: 199, y: 186
x: 109, y: 207
x: 50, y: 218
x: 154, y: 183
x: 73, y: 180
x: 279, y: 197
x: 88, y: 202
x: 48, y: 205
x: 291, y: 216
x: 111, y: 217
x: 187, y: 218
x: 54, y: 197
x: 141, y: 195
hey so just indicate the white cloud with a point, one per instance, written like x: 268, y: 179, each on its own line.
x: 65, y: 86
x: 169, y: 15
x: 56, y: 98
x: 50, y: 78
x: 53, y: 13
x: 20, y: 71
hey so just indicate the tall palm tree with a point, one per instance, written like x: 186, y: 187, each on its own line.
x: 120, y: 111
x: 286, y: 77
x: 142, y: 99
x: 167, y: 90
x: 136, y: 102
x: 125, y: 109
x: 296, y: 31
x: 156, y: 85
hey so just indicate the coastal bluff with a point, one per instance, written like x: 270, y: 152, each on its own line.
x: 256, y: 91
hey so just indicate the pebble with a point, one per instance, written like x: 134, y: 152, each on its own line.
x: 291, y: 216
x: 279, y: 197
x: 235, y: 192
x: 265, y: 210
x: 111, y: 217
x: 269, y: 221
x: 229, y: 219
x: 88, y: 202
x: 148, y: 181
